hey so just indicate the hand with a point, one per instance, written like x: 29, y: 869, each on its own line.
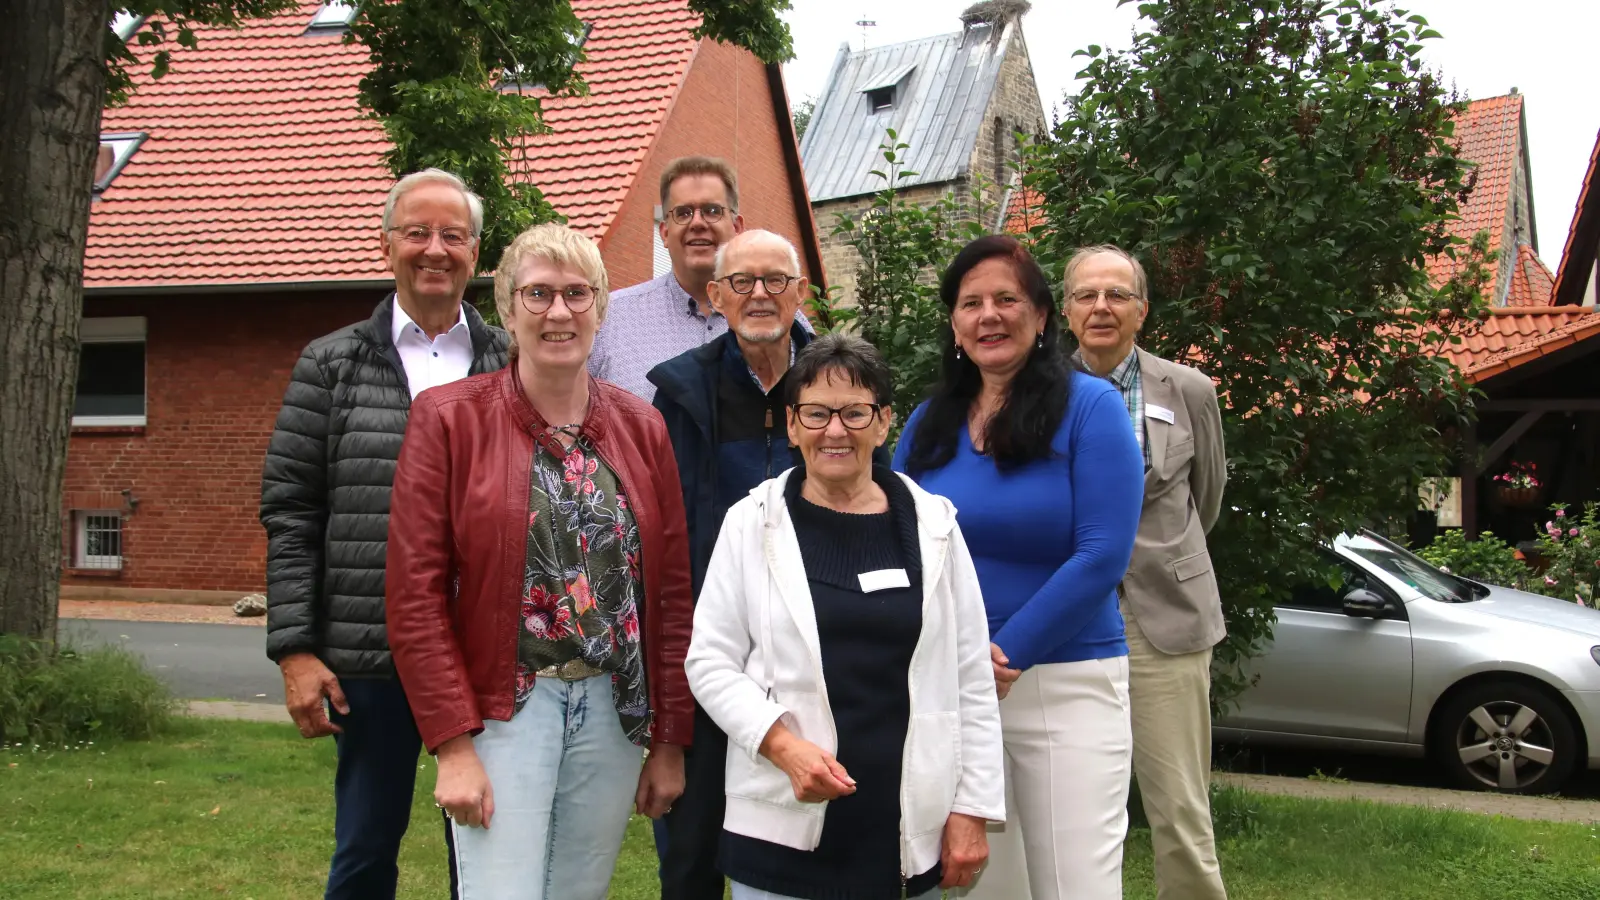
x: 463, y: 788
x: 1003, y: 677
x: 305, y: 682
x: 966, y: 849
x: 660, y: 781
x: 813, y: 772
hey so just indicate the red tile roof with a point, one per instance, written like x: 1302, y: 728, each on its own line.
x: 1577, y: 257
x: 1024, y: 209
x: 260, y: 167
x: 1508, y: 337
x: 1489, y: 134
x: 1531, y: 281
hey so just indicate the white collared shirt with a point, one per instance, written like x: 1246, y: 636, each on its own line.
x: 430, y: 362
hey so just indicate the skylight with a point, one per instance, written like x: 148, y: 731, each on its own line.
x: 334, y: 15
x: 125, y: 24
x: 512, y: 79
x: 115, y: 151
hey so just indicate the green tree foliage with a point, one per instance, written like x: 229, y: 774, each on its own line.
x: 802, y: 116
x: 904, y: 247
x: 1284, y: 169
x: 444, y: 84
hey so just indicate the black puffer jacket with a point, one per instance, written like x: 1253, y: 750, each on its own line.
x: 325, y: 491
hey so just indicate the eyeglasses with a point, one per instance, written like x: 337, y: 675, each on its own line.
x: 710, y: 212
x: 537, y: 298
x: 1114, y: 296
x: 855, y: 417
x: 745, y: 283
x: 422, y: 234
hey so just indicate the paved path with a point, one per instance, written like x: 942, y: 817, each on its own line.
x: 199, y: 662
x: 249, y: 712
x: 1514, y: 806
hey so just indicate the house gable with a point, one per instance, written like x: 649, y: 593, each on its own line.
x: 1575, y: 282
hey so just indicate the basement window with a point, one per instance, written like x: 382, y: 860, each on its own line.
x: 115, y: 151
x: 334, y: 16
x: 111, y: 373
x: 97, y: 539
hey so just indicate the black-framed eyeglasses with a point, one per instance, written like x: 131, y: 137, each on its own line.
x: 537, y: 298
x: 1114, y: 296
x: 745, y: 283
x: 855, y: 417
x: 452, y: 235
x: 711, y: 212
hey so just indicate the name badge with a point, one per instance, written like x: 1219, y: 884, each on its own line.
x: 883, y: 580
x: 1160, y: 413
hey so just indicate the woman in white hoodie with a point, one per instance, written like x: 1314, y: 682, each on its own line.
x: 840, y: 641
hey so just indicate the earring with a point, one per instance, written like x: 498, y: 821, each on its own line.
x: 958, y: 352
x: 1040, y: 342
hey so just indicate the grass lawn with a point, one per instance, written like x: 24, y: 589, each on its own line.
x: 245, y: 810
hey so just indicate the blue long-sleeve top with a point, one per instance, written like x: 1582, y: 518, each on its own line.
x: 1051, y: 540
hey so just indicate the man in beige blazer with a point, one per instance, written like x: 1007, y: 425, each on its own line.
x: 1170, y: 603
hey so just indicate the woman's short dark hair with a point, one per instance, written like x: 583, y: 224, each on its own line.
x: 856, y: 360
x: 1024, y: 426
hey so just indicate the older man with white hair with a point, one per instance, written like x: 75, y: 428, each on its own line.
x: 723, y: 404
x: 325, y: 504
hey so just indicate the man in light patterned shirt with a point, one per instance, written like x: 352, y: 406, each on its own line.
x: 1169, y: 597
x: 652, y: 322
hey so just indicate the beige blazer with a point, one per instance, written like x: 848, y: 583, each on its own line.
x: 1170, y: 587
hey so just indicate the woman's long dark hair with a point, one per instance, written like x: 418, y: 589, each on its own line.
x: 1023, y: 427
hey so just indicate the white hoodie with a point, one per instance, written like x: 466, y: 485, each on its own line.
x: 756, y: 658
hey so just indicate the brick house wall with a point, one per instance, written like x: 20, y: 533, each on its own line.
x: 721, y: 78
x: 216, y: 367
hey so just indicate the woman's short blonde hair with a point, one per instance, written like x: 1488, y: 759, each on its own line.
x: 556, y: 244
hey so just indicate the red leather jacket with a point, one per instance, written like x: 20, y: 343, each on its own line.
x: 458, y: 535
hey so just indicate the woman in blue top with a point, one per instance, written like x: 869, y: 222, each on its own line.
x: 1042, y: 465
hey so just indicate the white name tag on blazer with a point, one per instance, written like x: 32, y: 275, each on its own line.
x: 1151, y: 411
x: 883, y: 579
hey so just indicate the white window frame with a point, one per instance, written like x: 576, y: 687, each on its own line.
x: 115, y: 330
x: 80, y: 550
x: 334, y: 15
x: 122, y: 147
x: 126, y: 24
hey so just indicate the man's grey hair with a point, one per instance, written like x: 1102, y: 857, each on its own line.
x: 753, y: 235
x: 1141, y: 285
x: 434, y: 176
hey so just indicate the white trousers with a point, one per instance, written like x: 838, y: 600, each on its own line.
x: 1069, y: 756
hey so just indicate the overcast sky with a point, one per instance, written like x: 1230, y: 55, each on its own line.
x: 1544, y: 48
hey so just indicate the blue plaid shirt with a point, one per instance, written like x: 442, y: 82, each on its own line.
x: 1130, y: 385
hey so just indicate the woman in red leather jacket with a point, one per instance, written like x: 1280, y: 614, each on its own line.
x: 538, y: 598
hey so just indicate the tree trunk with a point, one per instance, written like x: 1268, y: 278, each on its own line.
x: 52, y: 85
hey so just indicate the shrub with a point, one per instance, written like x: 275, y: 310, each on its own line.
x: 1487, y: 559
x: 1569, y: 550
x: 56, y: 695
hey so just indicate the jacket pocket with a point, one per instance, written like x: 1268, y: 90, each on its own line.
x: 1192, y: 566
x: 933, y: 764
x: 758, y: 780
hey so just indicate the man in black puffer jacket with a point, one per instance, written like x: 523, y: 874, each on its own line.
x: 325, y: 504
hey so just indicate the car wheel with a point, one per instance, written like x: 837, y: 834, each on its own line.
x: 1506, y: 736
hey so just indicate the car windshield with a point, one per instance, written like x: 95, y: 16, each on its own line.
x: 1413, y: 570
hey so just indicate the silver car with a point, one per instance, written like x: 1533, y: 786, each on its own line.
x: 1397, y: 657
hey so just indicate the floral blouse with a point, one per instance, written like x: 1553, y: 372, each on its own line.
x: 581, y: 585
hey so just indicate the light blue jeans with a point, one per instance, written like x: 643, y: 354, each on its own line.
x: 563, y: 775
x: 745, y: 892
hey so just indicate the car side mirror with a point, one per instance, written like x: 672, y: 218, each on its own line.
x: 1362, y: 602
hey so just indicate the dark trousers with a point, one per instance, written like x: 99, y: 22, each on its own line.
x: 372, y: 790
x: 687, y: 837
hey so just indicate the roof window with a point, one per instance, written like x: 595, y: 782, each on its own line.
x: 334, y: 15
x: 512, y: 79
x: 126, y: 24
x: 883, y: 88
x: 115, y: 150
